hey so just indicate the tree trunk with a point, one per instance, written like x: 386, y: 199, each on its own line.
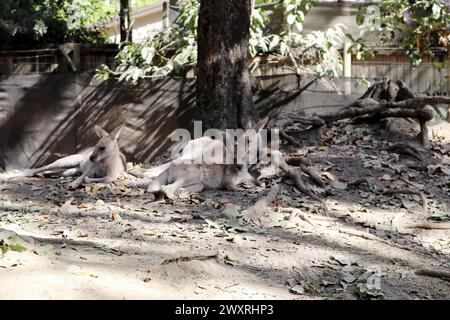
x: 125, y: 21
x: 224, y: 97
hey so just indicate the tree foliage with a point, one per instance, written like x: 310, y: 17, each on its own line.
x: 52, y: 21
x: 421, y: 28
x: 174, y: 49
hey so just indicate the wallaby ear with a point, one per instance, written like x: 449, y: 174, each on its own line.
x: 261, y: 124
x: 116, y: 132
x: 100, y: 132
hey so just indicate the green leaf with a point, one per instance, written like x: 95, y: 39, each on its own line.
x: 16, y: 244
x: 436, y: 9
x: 44, y: 249
x: 275, y: 41
x: 360, y: 19
x: 291, y: 19
x: 284, y: 48
x: 298, y: 289
x: 301, y: 16
x: 291, y: 7
x: 231, y: 213
x: 147, y: 54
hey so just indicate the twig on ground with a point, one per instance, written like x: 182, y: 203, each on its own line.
x: 207, y: 256
x: 442, y: 274
x: 369, y: 236
x: 429, y: 226
x: 53, y: 240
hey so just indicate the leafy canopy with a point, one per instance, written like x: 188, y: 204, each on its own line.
x: 52, y: 21
x: 421, y: 28
x: 276, y: 30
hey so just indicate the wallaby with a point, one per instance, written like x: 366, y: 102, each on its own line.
x: 101, y: 163
x: 190, y: 177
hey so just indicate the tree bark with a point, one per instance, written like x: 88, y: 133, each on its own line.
x: 224, y: 97
x: 125, y: 21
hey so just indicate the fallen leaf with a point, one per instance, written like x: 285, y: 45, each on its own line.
x: 347, y: 276
x: 115, y: 216
x: 384, y: 177
x: 329, y: 176
x: 82, y: 234
x: 298, y: 289
x: 339, y: 185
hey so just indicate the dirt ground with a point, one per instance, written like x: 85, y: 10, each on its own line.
x: 113, y: 242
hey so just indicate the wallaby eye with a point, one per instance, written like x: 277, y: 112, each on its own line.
x: 102, y: 148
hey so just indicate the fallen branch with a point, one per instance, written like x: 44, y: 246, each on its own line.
x: 297, y: 213
x: 303, y: 165
x: 405, y: 148
x: 429, y: 226
x: 387, y: 99
x: 419, y: 102
x: 442, y: 274
x: 60, y: 241
x: 201, y: 257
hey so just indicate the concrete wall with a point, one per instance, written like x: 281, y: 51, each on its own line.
x: 43, y: 117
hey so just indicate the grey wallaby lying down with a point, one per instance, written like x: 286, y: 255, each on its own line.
x: 101, y: 163
x: 175, y: 177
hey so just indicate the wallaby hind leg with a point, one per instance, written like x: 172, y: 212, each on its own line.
x: 68, y: 162
x: 70, y: 172
x: 170, y: 190
x: 156, y: 184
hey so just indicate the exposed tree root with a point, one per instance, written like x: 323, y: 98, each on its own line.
x: 386, y: 99
x: 406, y: 191
x: 442, y: 274
x: 297, y: 179
x: 262, y: 204
x: 288, y: 138
x: 298, y: 161
x: 405, y: 148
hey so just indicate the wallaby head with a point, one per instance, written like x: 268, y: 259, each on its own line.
x: 106, y: 146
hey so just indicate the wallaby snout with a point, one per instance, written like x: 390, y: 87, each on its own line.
x: 93, y: 157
